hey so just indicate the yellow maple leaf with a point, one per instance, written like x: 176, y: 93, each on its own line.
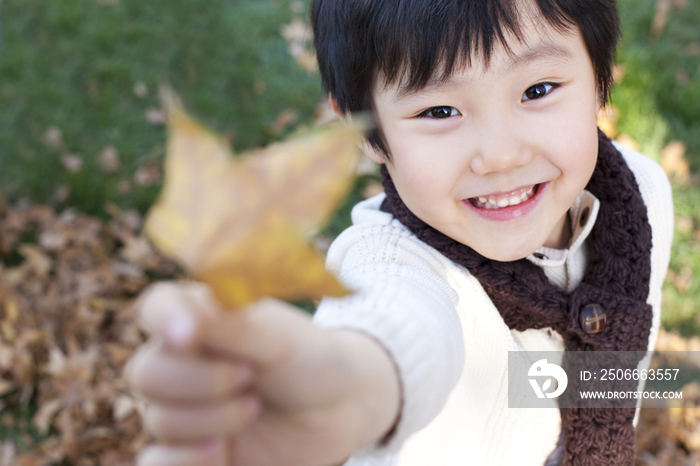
x: 239, y: 223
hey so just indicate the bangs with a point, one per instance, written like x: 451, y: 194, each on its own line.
x: 425, y: 41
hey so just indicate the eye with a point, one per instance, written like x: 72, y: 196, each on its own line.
x: 538, y: 91
x: 439, y: 113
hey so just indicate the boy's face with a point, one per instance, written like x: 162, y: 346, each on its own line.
x: 495, y: 157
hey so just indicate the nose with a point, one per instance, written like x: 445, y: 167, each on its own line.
x: 499, y: 148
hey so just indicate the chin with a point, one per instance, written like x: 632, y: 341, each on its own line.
x: 509, y: 254
x: 508, y: 258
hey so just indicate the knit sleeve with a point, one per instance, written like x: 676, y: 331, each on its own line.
x: 656, y: 192
x: 404, y: 301
x: 657, y: 195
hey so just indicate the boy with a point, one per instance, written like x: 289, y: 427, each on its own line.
x: 507, y: 220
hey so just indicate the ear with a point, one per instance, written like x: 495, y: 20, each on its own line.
x: 335, y: 107
x: 373, y: 154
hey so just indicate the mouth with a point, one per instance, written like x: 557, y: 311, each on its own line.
x: 504, y: 200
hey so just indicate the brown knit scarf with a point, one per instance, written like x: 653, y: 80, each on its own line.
x: 617, y: 278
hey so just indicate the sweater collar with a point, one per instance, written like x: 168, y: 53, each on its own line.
x: 582, y: 214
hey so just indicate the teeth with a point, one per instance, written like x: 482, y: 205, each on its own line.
x: 503, y: 200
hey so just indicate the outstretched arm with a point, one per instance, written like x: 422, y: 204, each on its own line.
x: 262, y: 386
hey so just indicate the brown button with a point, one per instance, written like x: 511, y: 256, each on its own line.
x: 592, y: 318
x: 584, y: 216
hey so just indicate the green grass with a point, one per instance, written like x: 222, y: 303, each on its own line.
x: 680, y: 309
x: 659, y: 101
x: 659, y: 96
x: 74, y: 65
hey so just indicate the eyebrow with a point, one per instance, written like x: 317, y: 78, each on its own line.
x: 543, y: 51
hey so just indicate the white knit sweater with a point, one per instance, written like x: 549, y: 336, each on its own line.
x: 450, y: 343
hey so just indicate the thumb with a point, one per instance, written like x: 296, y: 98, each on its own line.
x: 175, y: 313
x: 264, y: 332
x: 189, y: 318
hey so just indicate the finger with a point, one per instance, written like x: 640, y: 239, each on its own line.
x: 175, y: 312
x: 165, y: 376
x: 288, y: 353
x: 210, y: 453
x: 264, y: 332
x: 176, y: 423
x: 189, y: 317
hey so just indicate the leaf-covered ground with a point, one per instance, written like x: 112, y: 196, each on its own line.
x: 67, y: 327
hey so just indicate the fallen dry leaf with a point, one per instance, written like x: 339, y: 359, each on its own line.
x: 693, y: 49
x: 299, y: 39
x: 607, y: 120
x: 53, y: 138
x: 682, y: 78
x: 240, y: 224
x: 284, y: 120
x: 684, y: 224
x: 61, y: 194
x: 73, y: 163
x: 673, y: 161
x: 155, y: 116
x: 625, y: 140
x: 109, y: 160
x: 140, y: 89
x: 663, y: 10
x: 149, y: 174
x: 124, y: 186
x: 619, y: 72
x: 372, y: 189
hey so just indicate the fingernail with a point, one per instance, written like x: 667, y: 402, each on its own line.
x: 180, y: 330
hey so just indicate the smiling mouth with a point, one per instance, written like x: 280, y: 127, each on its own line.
x: 504, y: 200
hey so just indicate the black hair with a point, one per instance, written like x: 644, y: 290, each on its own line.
x: 409, y: 41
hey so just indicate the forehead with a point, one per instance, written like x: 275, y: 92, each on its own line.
x: 538, y: 43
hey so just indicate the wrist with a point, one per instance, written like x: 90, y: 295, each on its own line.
x: 374, y: 385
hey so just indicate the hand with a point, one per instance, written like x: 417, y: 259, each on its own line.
x: 259, y: 387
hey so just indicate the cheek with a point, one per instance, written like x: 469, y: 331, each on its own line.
x: 414, y: 182
x: 423, y: 181
x: 587, y: 153
x: 417, y: 165
x: 578, y: 143
x: 429, y: 178
x: 422, y: 156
